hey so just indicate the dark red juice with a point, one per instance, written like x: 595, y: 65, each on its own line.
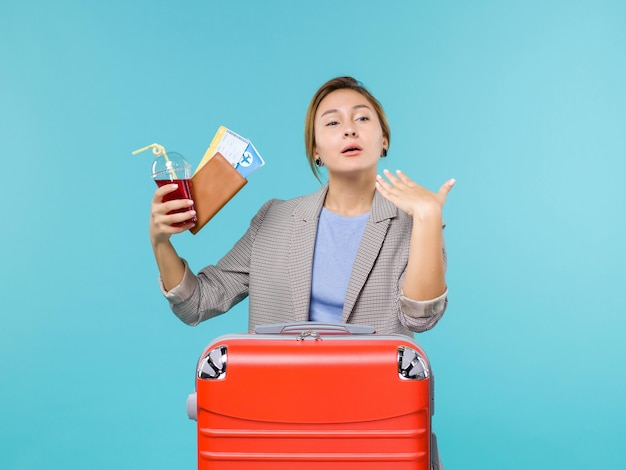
x: 182, y: 192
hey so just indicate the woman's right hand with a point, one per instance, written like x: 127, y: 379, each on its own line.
x: 161, y: 220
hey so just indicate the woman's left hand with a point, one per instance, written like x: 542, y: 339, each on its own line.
x: 410, y: 197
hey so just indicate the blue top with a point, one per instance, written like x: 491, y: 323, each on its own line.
x: 336, y: 244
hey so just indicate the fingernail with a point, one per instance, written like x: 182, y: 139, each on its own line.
x: 399, y: 171
x: 452, y: 181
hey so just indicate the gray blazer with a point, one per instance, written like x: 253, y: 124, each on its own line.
x: 272, y: 263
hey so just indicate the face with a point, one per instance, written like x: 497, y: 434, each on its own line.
x: 348, y: 135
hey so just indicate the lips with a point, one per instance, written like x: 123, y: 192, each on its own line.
x: 351, y: 149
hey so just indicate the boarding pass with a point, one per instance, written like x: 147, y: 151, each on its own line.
x: 237, y: 150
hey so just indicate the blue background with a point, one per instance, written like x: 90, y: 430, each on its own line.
x: 522, y: 102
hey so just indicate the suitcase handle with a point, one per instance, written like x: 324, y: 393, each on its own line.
x: 321, y: 328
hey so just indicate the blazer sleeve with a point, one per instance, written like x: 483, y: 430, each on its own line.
x: 422, y: 315
x: 216, y: 288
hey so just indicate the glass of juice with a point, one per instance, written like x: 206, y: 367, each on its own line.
x: 174, y: 169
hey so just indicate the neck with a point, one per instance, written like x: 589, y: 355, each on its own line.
x: 349, y: 198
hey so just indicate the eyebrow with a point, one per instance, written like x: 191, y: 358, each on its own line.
x: 329, y: 111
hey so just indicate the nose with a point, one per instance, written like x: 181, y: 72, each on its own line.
x: 349, y: 132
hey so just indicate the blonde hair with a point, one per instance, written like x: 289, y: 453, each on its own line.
x: 338, y: 83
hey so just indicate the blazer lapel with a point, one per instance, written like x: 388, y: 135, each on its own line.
x: 305, y: 218
x: 371, y: 242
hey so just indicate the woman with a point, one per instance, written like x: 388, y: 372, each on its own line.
x: 363, y: 249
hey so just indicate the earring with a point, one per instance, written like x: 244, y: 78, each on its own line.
x: 318, y: 162
x: 384, y: 153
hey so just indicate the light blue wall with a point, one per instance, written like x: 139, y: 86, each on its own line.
x: 523, y: 102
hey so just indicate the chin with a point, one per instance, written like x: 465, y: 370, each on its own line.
x: 355, y: 170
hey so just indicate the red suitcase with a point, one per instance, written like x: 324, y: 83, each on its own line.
x: 309, y: 395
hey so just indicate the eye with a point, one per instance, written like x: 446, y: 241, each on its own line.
x: 331, y: 123
x: 363, y: 118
